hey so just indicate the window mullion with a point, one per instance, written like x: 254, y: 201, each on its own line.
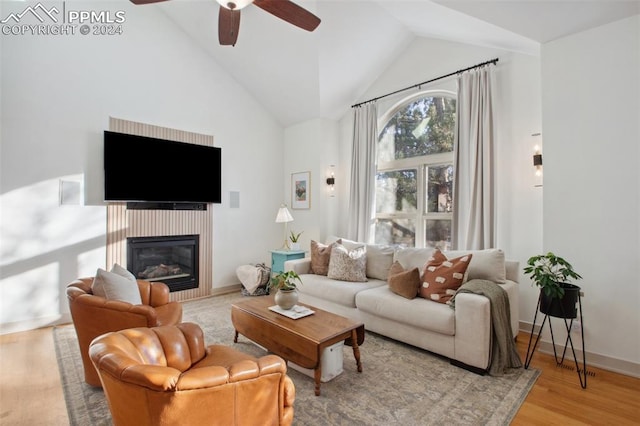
x: 422, y: 203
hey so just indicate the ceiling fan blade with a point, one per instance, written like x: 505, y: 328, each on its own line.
x: 228, y: 26
x: 146, y: 1
x: 290, y: 12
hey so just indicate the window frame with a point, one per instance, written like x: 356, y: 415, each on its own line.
x: 421, y: 165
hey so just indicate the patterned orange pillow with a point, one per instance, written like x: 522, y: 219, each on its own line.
x: 442, y: 277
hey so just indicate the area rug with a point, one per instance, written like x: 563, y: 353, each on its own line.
x: 399, y: 385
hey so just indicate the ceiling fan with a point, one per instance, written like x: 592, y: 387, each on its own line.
x: 229, y: 16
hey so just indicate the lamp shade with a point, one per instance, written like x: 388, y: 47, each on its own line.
x: 283, y: 215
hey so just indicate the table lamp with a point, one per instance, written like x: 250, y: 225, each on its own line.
x: 285, y: 217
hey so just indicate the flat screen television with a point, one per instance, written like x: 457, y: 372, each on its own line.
x: 144, y: 169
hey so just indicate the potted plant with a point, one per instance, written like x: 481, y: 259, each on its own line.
x: 285, y: 283
x: 551, y: 273
x: 294, y: 240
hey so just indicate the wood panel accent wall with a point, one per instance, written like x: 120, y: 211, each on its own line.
x: 123, y: 223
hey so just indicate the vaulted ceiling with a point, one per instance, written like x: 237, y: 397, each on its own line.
x: 299, y: 75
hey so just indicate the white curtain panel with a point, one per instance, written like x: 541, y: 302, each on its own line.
x: 363, y: 171
x: 474, y: 184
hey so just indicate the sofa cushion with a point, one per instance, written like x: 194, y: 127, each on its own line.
x: 418, y: 312
x: 339, y: 292
x: 348, y: 265
x: 412, y: 257
x: 320, y: 255
x: 116, y: 287
x: 402, y: 282
x: 379, y: 260
x: 486, y: 264
x: 442, y: 276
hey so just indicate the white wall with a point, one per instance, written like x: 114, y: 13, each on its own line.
x: 591, y: 116
x: 57, y: 95
x: 312, y: 146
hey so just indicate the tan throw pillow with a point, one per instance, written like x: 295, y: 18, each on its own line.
x: 116, y: 287
x: 320, y: 255
x: 348, y: 265
x: 442, y: 277
x: 404, y: 283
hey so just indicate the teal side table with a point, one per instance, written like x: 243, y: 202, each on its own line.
x: 278, y: 257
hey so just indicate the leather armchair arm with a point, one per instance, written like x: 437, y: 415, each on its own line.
x: 121, y: 366
x: 272, y: 364
x: 154, y: 377
x: 159, y: 294
x: 153, y: 293
x: 116, y: 312
x: 288, y: 397
x: 204, y: 377
x: 210, y: 376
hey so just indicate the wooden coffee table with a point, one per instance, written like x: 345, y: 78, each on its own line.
x: 300, y: 341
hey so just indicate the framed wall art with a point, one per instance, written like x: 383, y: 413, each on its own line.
x: 301, y: 190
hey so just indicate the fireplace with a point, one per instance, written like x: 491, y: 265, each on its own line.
x: 172, y: 260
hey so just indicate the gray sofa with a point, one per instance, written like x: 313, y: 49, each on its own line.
x: 462, y: 334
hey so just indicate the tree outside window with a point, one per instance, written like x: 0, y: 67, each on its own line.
x: 414, y: 179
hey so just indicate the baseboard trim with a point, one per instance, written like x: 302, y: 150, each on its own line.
x: 226, y: 290
x: 628, y: 368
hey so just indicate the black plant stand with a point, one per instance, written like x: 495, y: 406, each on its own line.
x: 568, y: 322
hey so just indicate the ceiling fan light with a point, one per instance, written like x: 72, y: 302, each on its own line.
x: 234, y: 4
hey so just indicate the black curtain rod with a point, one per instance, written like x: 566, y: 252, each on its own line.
x: 493, y: 61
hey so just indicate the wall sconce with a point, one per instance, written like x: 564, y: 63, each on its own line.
x: 537, y: 162
x: 331, y: 181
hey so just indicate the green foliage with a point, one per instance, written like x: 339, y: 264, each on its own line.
x: 295, y: 237
x: 547, y: 272
x: 284, y: 281
x: 425, y: 126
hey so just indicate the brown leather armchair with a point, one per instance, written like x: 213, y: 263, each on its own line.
x: 93, y: 315
x: 166, y: 376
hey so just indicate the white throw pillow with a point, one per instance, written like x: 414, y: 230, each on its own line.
x: 123, y: 272
x: 348, y: 265
x: 349, y: 244
x: 486, y: 264
x: 379, y: 261
x: 413, y: 257
x: 116, y: 287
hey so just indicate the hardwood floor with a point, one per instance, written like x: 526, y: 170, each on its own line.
x: 30, y: 386
x: 31, y: 391
x: 558, y: 399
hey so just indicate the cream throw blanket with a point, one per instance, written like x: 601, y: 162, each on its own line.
x: 504, y: 354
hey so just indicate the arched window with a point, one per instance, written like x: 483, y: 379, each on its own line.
x: 414, y: 176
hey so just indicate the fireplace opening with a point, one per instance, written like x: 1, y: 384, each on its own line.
x: 172, y: 260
